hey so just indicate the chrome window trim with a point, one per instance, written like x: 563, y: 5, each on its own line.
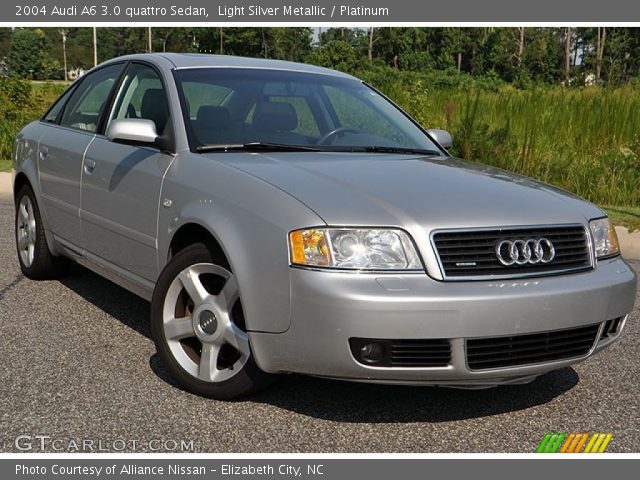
x: 547, y: 273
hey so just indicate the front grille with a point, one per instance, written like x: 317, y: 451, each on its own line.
x: 404, y: 353
x: 471, y: 254
x: 496, y: 352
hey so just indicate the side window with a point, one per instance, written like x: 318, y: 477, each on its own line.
x: 142, y: 96
x: 54, y: 112
x: 89, y: 99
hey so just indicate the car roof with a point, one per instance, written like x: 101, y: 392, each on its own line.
x: 200, y: 60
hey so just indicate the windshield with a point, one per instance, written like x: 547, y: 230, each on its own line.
x: 238, y: 107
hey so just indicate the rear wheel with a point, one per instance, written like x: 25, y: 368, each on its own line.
x: 36, y: 260
x: 198, y: 327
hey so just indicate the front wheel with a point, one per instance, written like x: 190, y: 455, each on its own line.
x: 198, y: 327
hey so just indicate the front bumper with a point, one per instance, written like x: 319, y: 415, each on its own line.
x: 329, y: 308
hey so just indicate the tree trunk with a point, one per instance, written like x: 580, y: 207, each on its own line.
x: 567, y: 54
x: 602, y: 36
x: 149, y: 42
x: 370, y: 44
x: 221, y: 41
x: 63, y: 32
x: 520, y: 45
x: 95, y: 47
x: 264, y: 43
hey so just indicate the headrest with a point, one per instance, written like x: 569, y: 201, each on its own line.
x: 275, y: 117
x: 154, y: 107
x: 214, y: 117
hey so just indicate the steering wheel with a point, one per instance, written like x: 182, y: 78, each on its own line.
x: 325, y: 140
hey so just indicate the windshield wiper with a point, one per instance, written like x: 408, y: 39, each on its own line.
x: 256, y: 147
x: 402, y: 150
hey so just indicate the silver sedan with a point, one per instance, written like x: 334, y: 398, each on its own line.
x: 286, y: 218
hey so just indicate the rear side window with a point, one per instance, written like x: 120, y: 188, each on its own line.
x: 89, y: 99
x: 53, y: 115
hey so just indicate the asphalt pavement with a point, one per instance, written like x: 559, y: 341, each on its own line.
x: 77, y: 365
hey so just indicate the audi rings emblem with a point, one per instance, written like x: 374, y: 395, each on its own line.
x: 530, y: 251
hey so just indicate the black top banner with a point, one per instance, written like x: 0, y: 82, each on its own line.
x: 318, y: 11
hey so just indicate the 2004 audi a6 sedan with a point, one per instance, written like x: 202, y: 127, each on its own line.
x: 287, y: 218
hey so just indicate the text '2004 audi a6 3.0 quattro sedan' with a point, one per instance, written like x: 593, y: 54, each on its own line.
x: 287, y: 218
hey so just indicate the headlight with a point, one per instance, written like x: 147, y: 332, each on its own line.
x: 354, y: 249
x: 605, y: 239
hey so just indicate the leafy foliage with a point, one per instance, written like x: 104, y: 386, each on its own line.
x: 21, y: 103
x: 27, y: 55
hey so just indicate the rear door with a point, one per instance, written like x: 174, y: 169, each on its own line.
x: 121, y: 183
x: 67, y: 132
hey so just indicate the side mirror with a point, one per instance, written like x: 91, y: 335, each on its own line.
x: 443, y: 137
x: 133, y: 131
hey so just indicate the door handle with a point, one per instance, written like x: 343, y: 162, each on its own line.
x: 89, y: 165
x: 44, y: 151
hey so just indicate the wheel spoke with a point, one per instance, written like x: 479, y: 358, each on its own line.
x: 237, y: 338
x: 31, y: 253
x: 208, y: 370
x: 23, y: 240
x: 23, y: 216
x: 31, y: 228
x: 228, y: 295
x: 191, y: 282
x: 178, y: 328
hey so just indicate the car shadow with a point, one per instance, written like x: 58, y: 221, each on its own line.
x: 124, y: 306
x: 337, y: 400
x: 340, y: 401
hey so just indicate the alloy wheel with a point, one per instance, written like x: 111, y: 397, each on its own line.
x: 198, y: 323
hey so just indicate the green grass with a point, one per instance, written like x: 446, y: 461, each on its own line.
x: 5, y: 165
x: 584, y: 140
x: 625, y: 216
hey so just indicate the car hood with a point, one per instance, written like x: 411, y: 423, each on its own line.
x: 409, y: 191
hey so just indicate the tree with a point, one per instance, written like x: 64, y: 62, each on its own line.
x: 5, y: 42
x: 28, y: 55
x: 336, y: 54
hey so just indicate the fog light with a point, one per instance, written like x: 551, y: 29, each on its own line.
x: 372, y: 352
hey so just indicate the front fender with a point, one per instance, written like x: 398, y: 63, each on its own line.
x: 250, y: 219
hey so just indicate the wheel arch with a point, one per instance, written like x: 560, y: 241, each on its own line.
x: 20, y: 181
x: 191, y: 233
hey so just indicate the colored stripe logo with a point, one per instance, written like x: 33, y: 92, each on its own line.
x: 574, y: 442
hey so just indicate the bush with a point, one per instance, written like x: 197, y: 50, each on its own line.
x: 21, y: 102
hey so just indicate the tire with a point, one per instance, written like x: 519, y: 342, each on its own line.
x: 36, y: 260
x: 198, y: 327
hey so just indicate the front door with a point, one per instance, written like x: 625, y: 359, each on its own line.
x: 121, y: 183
